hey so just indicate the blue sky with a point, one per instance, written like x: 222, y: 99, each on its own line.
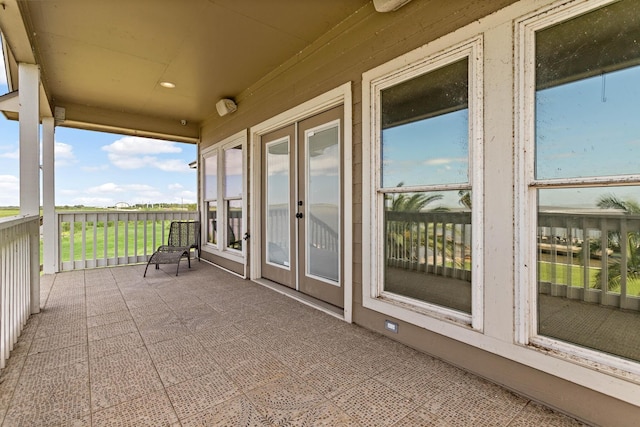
x: 101, y: 169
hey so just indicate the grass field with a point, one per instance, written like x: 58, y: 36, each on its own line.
x: 5, y: 212
x: 546, y: 273
x: 134, y: 245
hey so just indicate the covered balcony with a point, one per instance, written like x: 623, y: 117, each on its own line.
x: 390, y: 233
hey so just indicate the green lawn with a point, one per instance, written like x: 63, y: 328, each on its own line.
x: 99, y: 242
x: 5, y: 212
x: 545, y: 271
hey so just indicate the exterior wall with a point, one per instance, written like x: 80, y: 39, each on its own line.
x: 223, y: 262
x: 367, y: 40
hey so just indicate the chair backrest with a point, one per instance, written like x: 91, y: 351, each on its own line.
x: 184, y: 234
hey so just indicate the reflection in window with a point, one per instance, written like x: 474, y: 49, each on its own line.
x: 323, y: 198
x: 212, y: 225
x: 278, y: 218
x: 233, y: 196
x: 427, y: 231
x: 425, y: 129
x: 211, y: 196
x: 223, y: 180
x: 588, y: 238
x: 428, y: 247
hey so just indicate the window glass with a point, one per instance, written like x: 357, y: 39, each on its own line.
x: 425, y: 128
x: 233, y: 172
x: 428, y: 247
x: 587, y: 92
x: 211, y: 177
x: 278, y: 218
x: 234, y: 224
x: 212, y: 218
x: 323, y: 198
x: 425, y: 142
x: 588, y: 237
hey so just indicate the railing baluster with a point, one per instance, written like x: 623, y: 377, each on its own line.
x: 84, y: 243
x: 16, y: 235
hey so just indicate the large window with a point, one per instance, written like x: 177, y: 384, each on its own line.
x: 426, y: 128
x: 223, y: 194
x: 584, y: 177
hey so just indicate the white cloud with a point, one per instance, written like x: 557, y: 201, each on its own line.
x: 137, y: 145
x: 134, y: 152
x: 445, y: 161
x: 11, y: 155
x: 9, y: 190
x: 175, y: 186
x: 174, y: 165
x: 110, y: 187
x: 64, y: 154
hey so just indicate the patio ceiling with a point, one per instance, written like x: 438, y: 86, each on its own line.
x: 103, y: 61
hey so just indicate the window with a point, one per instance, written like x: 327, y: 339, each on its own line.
x: 426, y: 136
x: 223, y: 194
x: 583, y: 179
x: 211, y: 196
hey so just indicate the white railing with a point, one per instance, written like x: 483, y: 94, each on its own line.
x: 18, y: 247
x: 590, y: 256
x: 89, y: 239
x: 431, y: 242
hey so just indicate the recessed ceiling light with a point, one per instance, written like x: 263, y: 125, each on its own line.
x: 168, y: 85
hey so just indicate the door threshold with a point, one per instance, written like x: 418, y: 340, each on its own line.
x: 331, y: 310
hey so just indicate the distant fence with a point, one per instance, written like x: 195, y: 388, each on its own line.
x: 18, y: 248
x: 100, y: 238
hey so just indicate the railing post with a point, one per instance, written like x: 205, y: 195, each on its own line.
x: 49, y: 223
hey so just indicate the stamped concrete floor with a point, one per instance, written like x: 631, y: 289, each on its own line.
x: 207, y: 348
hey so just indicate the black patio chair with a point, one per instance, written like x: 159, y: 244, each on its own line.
x: 183, y: 236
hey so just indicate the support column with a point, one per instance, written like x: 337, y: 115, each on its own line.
x: 49, y: 224
x: 29, y: 91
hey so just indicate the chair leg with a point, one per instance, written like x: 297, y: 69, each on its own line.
x: 145, y: 269
x: 178, y: 267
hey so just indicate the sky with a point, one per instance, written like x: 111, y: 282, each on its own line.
x: 100, y: 169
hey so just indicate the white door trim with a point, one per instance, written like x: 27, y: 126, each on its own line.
x: 342, y: 95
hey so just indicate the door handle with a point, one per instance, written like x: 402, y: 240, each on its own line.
x: 299, y: 215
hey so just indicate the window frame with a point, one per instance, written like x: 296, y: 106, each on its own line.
x: 526, y: 193
x: 398, y: 70
x: 219, y: 149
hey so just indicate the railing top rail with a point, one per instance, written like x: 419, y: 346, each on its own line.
x: 606, y: 214
x: 12, y: 221
x: 122, y: 211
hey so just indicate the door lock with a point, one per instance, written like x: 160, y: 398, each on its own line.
x: 299, y: 215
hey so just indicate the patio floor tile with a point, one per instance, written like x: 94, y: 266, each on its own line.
x: 206, y: 348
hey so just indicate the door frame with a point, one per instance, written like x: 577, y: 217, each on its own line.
x: 342, y: 95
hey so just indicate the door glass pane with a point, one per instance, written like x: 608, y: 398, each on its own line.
x: 277, y: 203
x: 234, y: 224
x: 428, y: 250
x: 323, y: 200
x: 425, y: 129
x: 211, y: 177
